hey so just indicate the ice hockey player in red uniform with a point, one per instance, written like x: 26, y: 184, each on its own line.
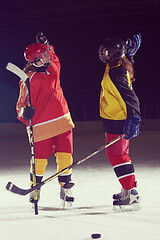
x: 52, y: 122
x: 120, y: 113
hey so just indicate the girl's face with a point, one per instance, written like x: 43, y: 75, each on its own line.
x: 45, y: 58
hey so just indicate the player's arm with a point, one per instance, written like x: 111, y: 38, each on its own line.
x: 131, y: 127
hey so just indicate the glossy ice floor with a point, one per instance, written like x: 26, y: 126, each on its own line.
x: 95, y: 183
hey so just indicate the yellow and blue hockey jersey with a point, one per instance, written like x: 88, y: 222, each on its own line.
x: 117, y: 100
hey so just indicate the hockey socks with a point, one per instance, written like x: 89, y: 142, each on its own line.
x: 64, y: 160
x: 124, y: 170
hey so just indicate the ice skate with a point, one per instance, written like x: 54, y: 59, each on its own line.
x: 31, y: 196
x: 66, y: 195
x: 119, y: 195
x: 126, y: 200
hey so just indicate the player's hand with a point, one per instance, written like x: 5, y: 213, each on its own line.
x: 133, y: 45
x: 27, y: 112
x: 131, y: 128
x: 41, y: 38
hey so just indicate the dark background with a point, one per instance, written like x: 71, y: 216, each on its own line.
x: 77, y: 28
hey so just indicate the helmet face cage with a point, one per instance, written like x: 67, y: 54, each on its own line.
x: 34, y: 53
x: 102, y: 54
x: 111, y: 49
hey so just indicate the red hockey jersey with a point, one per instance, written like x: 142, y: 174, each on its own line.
x: 52, y: 116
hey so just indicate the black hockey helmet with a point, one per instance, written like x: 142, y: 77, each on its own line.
x: 112, y: 48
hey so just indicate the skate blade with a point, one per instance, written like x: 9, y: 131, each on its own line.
x: 66, y: 205
x: 126, y: 208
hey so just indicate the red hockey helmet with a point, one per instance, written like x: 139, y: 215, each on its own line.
x: 33, y: 52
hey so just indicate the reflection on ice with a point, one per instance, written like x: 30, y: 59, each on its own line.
x: 95, y: 183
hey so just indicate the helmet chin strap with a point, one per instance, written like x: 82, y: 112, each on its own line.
x: 39, y: 65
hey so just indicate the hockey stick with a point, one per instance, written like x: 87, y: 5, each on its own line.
x: 14, y: 189
x: 16, y: 70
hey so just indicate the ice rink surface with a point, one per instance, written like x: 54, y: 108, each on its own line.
x: 95, y: 183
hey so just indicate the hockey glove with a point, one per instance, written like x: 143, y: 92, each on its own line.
x: 133, y: 45
x: 28, y: 112
x: 131, y: 128
x: 41, y: 38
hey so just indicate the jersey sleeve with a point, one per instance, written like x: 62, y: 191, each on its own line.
x: 119, y: 78
x: 54, y: 68
x: 22, y: 101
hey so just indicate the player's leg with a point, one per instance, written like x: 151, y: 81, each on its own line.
x: 124, y: 170
x: 43, y: 150
x: 63, y: 153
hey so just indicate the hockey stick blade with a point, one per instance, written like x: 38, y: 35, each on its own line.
x: 16, y: 70
x: 14, y: 189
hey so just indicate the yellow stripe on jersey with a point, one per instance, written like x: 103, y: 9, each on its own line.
x: 52, y: 128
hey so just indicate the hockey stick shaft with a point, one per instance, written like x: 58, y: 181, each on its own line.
x: 13, y: 188
x: 16, y: 70
x: 32, y: 150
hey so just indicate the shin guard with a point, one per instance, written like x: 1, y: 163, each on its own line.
x: 64, y: 160
x: 40, y: 167
x: 124, y: 170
